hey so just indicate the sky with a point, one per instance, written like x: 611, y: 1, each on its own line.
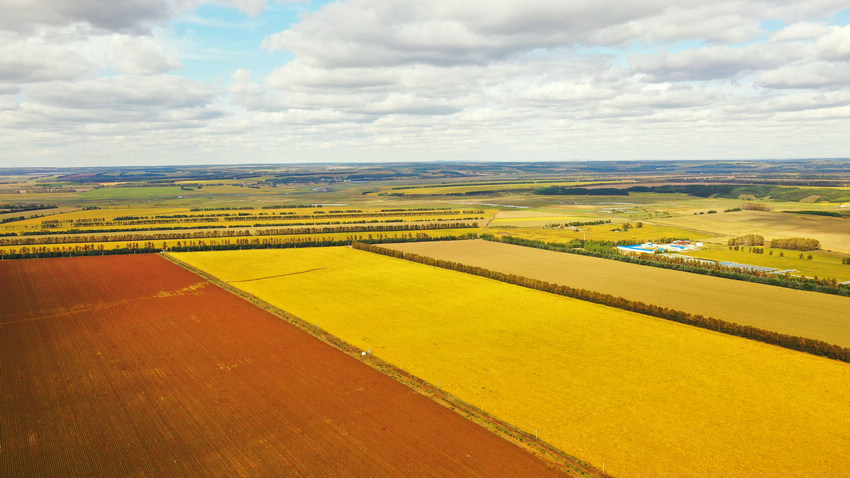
x: 145, y: 82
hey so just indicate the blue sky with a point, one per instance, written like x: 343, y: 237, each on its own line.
x: 195, y: 81
x: 223, y: 39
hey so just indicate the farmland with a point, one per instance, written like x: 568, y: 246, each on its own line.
x: 639, y: 395
x: 793, y: 312
x: 478, y: 188
x: 132, y: 366
x: 832, y: 232
x: 603, y: 232
x: 821, y: 264
x: 111, y: 228
x: 642, y: 395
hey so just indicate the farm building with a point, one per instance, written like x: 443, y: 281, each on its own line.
x: 650, y: 248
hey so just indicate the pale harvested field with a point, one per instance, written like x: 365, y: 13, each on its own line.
x: 534, y: 218
x: 525, y: 214
x: 808, y: 314
x: 644, y: 396
x: 832, y: 232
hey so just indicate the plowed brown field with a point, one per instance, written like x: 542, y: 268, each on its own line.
x: 133, y: 366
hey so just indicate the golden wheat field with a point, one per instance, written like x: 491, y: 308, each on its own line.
x: 794, y: 312
x: 639, y: 395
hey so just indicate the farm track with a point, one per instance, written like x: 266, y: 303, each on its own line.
x: 175, y: 378
x: 272, y: 277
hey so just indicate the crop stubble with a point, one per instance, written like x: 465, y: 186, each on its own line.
x: 132, y: 366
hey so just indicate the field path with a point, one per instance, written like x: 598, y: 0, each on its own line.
x: 800, y: 313
x: 280, y: 275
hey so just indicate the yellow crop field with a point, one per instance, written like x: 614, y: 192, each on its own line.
x: 107, y: 214
x: 643, y: 396
x: 144, y: 224
x: 795, y: 312
x: 111, y: 213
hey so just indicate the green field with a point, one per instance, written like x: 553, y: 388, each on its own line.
x: 822, y: 263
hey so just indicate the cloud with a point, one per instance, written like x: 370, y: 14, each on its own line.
x: 119, y: 16
x: 251, y: 7
x: 125, y: 92
x: 369, y: 33
x: 33, y: 60
x: 297, y: 74
x: 771, y: 104
x: 242, y: 84
x: 121, y: 100
x: 812, y: 75
x: 835, y: 45
x: 800, y: 31
x: 370, y: 79
x: 125, y: 16
x: 406, y: 104
x: 711, y: 63
x: 142, y: 56
x: 7, y: 89
x: 8, y: 103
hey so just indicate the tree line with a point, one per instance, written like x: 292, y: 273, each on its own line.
x: 747, y: 240
x: 126, y: 221
x: 128, y: 229
x: 843, y: 214
x: 39, y: 252
x: 324, y: 242
x: 802, y: 344
x: 399, y: 227
x: 796, y: 244
x: 78, y: 253
x: 555, y: 225
x: 12, y: 207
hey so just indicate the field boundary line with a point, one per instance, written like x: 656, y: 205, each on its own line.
x: 548, y: 453
x: 791, y: 342
x: 280, y: 275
